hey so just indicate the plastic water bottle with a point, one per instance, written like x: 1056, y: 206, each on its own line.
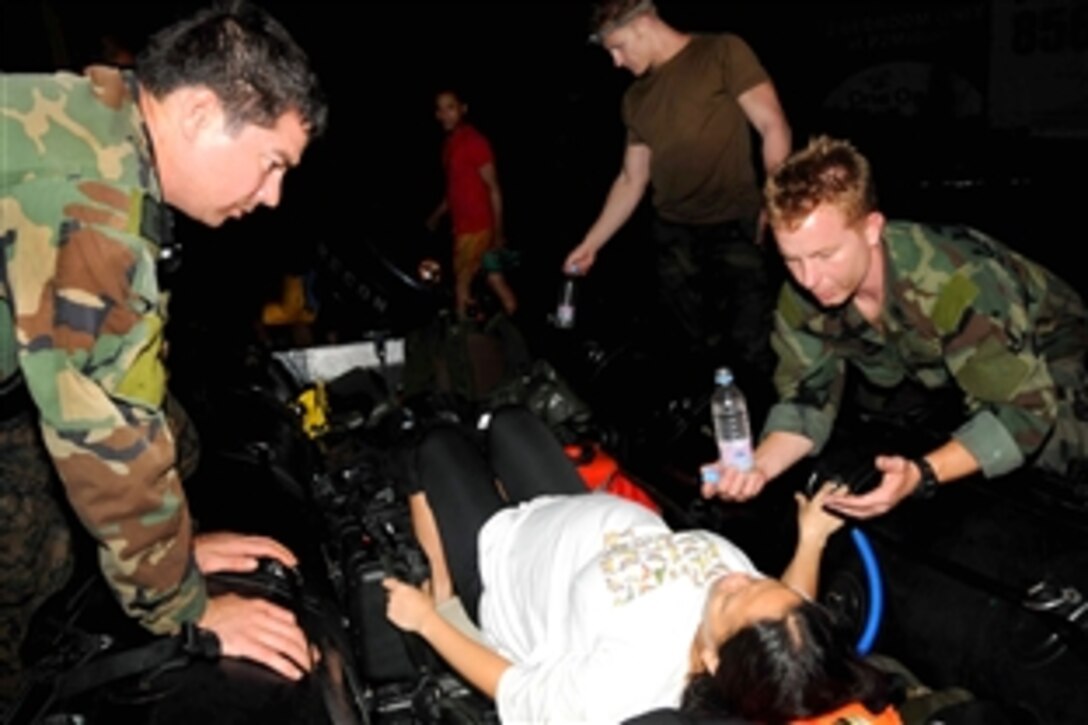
x: 731, y: 427
x: 564, y: 311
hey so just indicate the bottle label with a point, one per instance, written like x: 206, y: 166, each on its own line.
x: 736, y: 454
x: 564, y: 316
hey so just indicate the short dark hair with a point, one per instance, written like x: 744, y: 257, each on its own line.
x: 609, y: 15
x: 451, y: 90
x: 245, y: 57
x: 777, y: 670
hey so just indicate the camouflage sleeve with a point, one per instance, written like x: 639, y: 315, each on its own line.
x: 809, y: 378
x: 89, y: 327
x: 990, y: 351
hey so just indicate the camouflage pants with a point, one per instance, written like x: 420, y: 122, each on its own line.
x: 719, y: 286
x: 35, y: 542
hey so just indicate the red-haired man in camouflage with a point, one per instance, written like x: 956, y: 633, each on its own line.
x: 945, y: 308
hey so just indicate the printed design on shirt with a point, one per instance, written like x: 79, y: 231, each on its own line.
x: 634, y: 565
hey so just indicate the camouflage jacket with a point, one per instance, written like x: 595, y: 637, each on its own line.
x: 81, y: 317
x: 961, y: 310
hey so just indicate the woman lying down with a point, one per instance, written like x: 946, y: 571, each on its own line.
x: 595, y: 611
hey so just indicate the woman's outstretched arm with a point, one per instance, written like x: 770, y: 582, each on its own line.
x: 815, y: 525
x: 413, y: 611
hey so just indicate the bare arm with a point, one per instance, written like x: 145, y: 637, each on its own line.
x: 623, y: 198
x: 814, y: 526
x: 413, y: 611
x: 491, y: 181
x: 438, y: 213
x: 952, y: 461
x: 760, y: 104
x: 774, y: 455
x: 764, y: 112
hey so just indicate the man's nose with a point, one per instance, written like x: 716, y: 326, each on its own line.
x: 810, y: 274
x: 272, y: 191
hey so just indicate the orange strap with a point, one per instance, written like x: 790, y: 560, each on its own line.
x: 600, y: 471
x: 855, y: 714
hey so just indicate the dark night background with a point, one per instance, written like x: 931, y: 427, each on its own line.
x: 971, y: 111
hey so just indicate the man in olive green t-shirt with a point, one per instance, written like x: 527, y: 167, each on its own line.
x: 687, y: 115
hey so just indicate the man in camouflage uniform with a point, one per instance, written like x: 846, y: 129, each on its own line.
x: 943, y: 308
x: 220, y: 106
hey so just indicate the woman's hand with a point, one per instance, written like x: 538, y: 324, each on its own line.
x: 814, y: 522
x: 408, y: 607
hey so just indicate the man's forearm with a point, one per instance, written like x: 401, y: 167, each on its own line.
x: 779, y: 451
x: 764, y: 111
x: 777, y: 143
x: 952, y: 461
x: 623, y: 199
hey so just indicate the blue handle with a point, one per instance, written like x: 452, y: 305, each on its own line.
x: 876, y: 591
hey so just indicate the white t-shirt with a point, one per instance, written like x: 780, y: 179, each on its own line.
x: 596, y: 602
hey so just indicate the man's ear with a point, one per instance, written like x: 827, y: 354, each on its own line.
x: 874, y: 227
x: 199, y: 110
x: 640, y: 24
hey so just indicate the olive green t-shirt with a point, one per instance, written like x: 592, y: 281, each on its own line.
x: 686, y: 111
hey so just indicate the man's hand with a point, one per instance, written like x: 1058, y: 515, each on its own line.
x: 814, y: 522
x: 731, y: 484
x: 408, y: 606
x: 899, y: 478
x: 227, y: 551
x: 580, y: 259
x: 257, y: 630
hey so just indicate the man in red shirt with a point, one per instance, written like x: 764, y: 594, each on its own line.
x: 474, y: 202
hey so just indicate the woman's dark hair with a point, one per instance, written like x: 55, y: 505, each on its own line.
x: 778, y: 670
x: 245, y: 56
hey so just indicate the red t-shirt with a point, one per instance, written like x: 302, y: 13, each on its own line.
x: 464, y: 152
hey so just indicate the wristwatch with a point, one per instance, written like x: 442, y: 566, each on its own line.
x: 927, y: 484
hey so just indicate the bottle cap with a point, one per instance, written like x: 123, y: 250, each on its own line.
x: 723, y: 376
